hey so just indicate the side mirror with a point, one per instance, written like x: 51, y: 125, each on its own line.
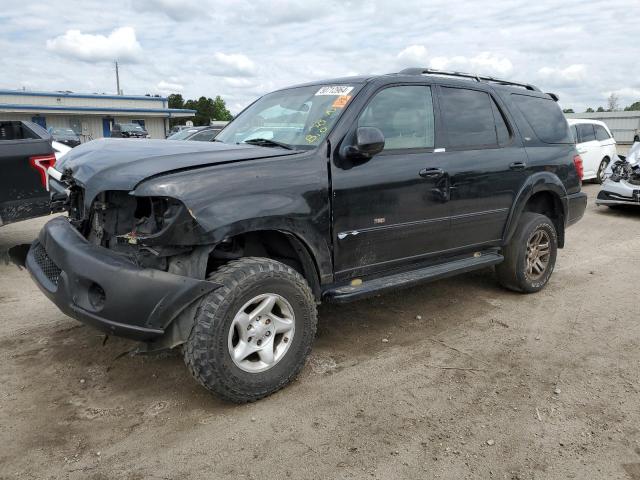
x: 369, y: 142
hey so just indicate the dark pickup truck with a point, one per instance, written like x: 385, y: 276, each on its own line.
x: 25, y: 155
x: 330, y: 191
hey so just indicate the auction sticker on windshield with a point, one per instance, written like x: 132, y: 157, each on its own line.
x: 334, y: 90
x: 341, y: 101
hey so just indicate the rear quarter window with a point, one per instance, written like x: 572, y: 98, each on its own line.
x: 601, y: 133
x: 545, y: 118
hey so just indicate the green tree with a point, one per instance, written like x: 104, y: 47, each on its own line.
x: 176, y: 100
x: 634, y: 107
x: 568, y: 110
x: 206, y: 108
x: 220, y: 111
x: 589, y: 110
x: 600, y: 109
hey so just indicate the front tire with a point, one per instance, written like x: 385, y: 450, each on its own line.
x: 251, y: 336
x: 530, y: 258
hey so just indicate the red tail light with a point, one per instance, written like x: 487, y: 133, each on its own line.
x: 577, y: 161
x: 42, y: 163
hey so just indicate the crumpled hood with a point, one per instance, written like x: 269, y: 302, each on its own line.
x: 121, y: 163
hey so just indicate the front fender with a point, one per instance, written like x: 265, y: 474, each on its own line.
x: 288, y: 194
x: 538, y: 182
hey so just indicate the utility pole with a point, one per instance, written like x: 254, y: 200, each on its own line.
x: 118, y: 91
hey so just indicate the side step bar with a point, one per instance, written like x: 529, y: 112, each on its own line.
x: 396, y: 281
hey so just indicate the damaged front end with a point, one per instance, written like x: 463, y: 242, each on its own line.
x: 622, y: 182
x: 127, y: 265
x: 147, y: 230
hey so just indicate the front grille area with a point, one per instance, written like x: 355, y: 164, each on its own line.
x: 50, y: 269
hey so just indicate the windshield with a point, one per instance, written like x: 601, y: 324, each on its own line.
x: 63, y: 131
x: 131, y: 127
x: 184, y: 133
x: 299, y: 117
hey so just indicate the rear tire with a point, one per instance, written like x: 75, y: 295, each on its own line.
x: 530, y: 258
x: 601, y: 169
x: 251, y: 336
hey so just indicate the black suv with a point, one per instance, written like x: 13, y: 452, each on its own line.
x: 128, y: 130
x: 329, y: 191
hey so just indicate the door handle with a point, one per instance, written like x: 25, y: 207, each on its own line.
x: 431, y: 173
x: 517, y: 166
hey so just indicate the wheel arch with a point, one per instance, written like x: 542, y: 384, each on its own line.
x: 277, y: 244
x: 543, y: 193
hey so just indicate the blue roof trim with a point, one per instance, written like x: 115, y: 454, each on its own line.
x: 39, y: 108
x: 80, y: 95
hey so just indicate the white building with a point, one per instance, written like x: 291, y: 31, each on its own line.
x: 90, y: 115
x: 623, y: 125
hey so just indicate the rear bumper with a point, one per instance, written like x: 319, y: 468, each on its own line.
x: 105, y: 290
x: 576, y: 205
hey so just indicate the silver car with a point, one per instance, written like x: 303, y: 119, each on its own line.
x: 622, y: 180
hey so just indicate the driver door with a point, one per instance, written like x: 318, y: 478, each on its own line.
x: 392, y: 210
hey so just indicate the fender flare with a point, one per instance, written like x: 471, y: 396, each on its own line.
x: 309, y: 244
x: 538, y: 182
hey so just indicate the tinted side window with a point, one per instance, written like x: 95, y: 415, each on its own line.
x: 574, y: 133
x: 468, y: 118
x: 601, y: 133
x: 545, y: 117
x: 585, y: 132
x: 404, y: 114
x: 504, y: 134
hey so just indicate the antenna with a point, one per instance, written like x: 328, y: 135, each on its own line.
x: 118, y: 91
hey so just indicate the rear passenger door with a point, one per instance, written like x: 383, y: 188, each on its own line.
x: 486, y: 165
x: 589, y: 149
x: 607, y: 143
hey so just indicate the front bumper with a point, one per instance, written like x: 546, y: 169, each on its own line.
x: 105, y: 290
x: 618, y: 193
x: 576, y: 205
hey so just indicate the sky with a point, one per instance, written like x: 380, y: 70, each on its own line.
x: 582, y: 50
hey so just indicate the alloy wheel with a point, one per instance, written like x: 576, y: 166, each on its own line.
x: 261, y: 333
x: 538, y: 254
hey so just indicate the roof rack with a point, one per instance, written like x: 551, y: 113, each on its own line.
x: 471, y: 76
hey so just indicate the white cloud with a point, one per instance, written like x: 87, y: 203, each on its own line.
x: 572, y: 74
x: 240, y: 82
x: 413, y: 56
x: 232, y: 65
x: 284, y: 42
x: 121, y: 44
x: 485, y: 63
x: 178, y: 10
x: 168, y: 87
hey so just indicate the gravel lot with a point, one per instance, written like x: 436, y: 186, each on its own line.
x: 473, y: 382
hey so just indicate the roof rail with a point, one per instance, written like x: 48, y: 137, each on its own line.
x: 471, y: 76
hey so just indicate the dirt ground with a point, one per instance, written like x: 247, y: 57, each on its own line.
x: 474, y: 382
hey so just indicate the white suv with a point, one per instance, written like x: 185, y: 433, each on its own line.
x: 595, y: 145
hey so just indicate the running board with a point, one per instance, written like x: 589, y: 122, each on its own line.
x: 369, y: 288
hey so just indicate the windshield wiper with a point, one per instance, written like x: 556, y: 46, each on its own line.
x: 266, y: 142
